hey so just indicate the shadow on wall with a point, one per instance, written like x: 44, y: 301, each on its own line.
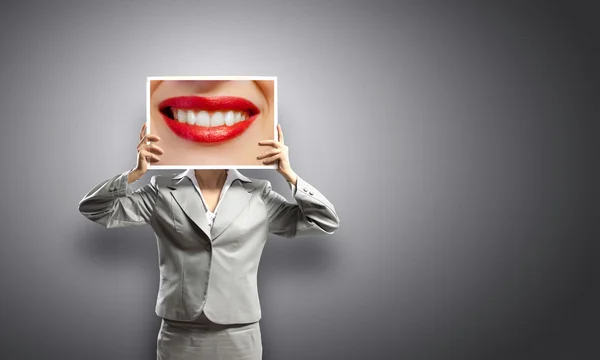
x: 123, y: 249
x: 134, y: 244
x: 299, y: 256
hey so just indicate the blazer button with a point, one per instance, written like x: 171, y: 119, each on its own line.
x: 208, y: 247
x: 310, y: 193
x: 305, y: 189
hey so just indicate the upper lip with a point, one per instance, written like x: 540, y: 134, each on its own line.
x: 209, y: 103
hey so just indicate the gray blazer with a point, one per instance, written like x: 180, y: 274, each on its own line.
x: 209, y: 269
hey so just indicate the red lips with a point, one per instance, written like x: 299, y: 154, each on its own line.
x: 205, y: 134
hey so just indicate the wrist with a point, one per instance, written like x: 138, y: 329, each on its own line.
x: 291, y: 177
x: 134, y: 175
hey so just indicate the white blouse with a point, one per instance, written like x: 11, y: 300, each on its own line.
x: 231, y: 176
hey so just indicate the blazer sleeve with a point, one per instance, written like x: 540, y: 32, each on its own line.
x: 113, y: 203
x: 312, y: 214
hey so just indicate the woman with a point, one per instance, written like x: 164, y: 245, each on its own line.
x: 211, y: 227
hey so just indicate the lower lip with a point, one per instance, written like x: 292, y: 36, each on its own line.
x: 204, y: 134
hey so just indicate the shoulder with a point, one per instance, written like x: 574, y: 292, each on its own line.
x: 161, y: 181
x: 260, y: 186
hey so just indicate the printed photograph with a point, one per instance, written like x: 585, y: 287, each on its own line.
x: 212, y: 122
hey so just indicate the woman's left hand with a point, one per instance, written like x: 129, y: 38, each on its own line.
x: 280, y: 153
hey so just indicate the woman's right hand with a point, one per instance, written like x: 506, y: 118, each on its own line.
x: 147, y: 154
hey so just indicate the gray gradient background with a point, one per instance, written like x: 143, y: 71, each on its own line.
x: 455, y: 139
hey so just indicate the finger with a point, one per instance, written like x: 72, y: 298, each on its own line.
x: 268, y: 153
x: 149, y: 156
x: 154, y: 159
x: 269, y: 143
x: 143, y: 131
x: 272, y: 159
x: 155, y: 149
x: 148, y: 137
x: 280, y: 132
x: 152, y: 137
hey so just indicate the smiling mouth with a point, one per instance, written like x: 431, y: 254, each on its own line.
x: 208, y: 119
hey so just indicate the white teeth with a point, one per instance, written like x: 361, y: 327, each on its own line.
x: 229, y: 118
x: 191, y: 117
x: 181, y: 115
x: 217, y: 119
x: 203, y: 118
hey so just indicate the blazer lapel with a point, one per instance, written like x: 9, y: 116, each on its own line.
x: 235, y: 200
x: 189, y: 200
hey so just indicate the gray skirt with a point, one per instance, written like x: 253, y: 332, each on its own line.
x: 205, y: 340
